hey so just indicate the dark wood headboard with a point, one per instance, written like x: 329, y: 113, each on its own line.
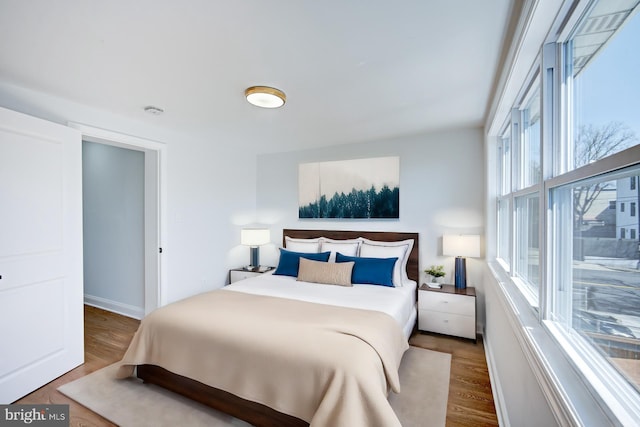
x: 413, y: 267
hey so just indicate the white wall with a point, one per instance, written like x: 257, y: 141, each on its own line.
x: 519, y: 400
x: 518, y: 396
x: 441, y: 190
x: 210, y: 191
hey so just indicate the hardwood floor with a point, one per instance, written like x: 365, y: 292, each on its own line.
x: 107, y: 336
x: 470, y: 397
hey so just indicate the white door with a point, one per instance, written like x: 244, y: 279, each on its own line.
x: 41, y: 308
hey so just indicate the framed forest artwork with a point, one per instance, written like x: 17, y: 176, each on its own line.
x: 350, y: 189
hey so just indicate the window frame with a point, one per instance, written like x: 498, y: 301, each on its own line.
x: 505, y: 194
x: 605, y: 383
x: 515, y: 124
x: 529, y: 289
x: 556, y: 157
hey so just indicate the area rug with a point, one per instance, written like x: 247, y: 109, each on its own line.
x: 424, y: 379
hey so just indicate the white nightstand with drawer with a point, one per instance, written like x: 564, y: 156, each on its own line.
x: 241, y: 273
x: 447, y: 311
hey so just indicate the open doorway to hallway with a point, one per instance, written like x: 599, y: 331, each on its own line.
x: 153, y: 155
x: 113, y: 228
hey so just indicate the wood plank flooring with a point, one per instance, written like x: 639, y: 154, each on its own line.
x: 470, y: 398
x: 107, y: 336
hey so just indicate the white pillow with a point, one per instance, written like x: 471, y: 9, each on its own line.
x: 349, y: 247
x: 302, y: 245
x: 400, y: 249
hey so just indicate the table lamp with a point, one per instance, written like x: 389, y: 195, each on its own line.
x: 461, y: 246
x: 254, y: 237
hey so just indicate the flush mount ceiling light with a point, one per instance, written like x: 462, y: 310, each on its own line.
x: 265, y: 97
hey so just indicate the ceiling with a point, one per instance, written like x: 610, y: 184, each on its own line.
x: 353, y: 71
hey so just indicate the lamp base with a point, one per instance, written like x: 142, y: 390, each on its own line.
x: 255, y: 257
x: 461, y: 273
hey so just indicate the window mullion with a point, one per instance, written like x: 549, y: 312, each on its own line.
x: 517, y: 177
x: 553, y: 160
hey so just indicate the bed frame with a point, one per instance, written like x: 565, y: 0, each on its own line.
x: 254, y: 413
x: 413, y: 269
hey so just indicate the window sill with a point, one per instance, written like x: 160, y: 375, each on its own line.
x: 528, y: 292
x: 564, y: 388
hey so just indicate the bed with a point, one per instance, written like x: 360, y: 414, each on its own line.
x: 254, y: 319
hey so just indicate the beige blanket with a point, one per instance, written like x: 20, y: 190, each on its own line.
x: 327, y: 365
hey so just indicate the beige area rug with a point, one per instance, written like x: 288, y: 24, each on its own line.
x: 424, y: 379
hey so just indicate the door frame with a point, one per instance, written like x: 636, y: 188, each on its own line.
x: 155, y: 161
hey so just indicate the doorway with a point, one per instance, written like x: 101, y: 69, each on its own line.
x: 113, y: 228
x: 154, y: 154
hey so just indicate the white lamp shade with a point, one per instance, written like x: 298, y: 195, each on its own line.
x: 463, y: 245
x: 255, y: 236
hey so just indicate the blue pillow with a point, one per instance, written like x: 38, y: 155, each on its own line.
x: 370, y: 271
x: 289, y: 262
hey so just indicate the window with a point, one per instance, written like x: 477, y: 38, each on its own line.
x: 594, y: 292
x: 504, y: 187
x: 597, y: 291
x: 504, y: 163
x: 527, y: 264
x: 569, y: 239
x: 521, y: 211
x: 603, y: 77
x: 530, y: 171
x: 504, y: 236
x: 531, y: 140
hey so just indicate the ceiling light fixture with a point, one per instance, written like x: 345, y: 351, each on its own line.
x: 265, y: 97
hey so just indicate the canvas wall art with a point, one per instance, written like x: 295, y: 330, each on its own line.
x: 350, y: 189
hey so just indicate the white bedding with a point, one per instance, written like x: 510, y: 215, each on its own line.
x: 399, y: 303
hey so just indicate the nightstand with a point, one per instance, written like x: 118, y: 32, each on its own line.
x: 447, y: 310
x: 241, y: 273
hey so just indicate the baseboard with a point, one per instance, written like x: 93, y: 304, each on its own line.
x: 496, y: 386
x: 114, y: 306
